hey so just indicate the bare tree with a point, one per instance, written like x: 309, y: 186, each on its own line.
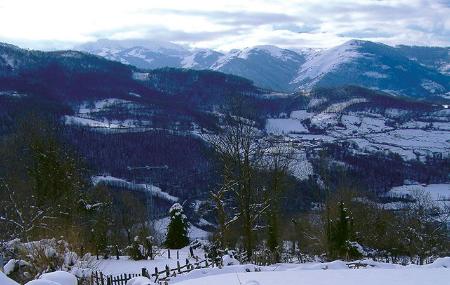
x: 20, y: 216
x: 238, y: 148
x: 278, y: 158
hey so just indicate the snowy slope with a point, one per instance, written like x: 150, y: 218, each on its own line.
x: 325, y: 62
x: 373, y: 65
x: 148, y: 188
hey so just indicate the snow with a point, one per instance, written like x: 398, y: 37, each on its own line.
x: 4, y: 280
x: 152, y: 189
x: 139, y: 281
x: 285, y: 126
x: 300, y: 115
x: 301, y: 168
x: 41, y: 282
x: 228, y: 260
x: 60, y: 277
x: 374, y: 74
x: 327, y: 61
x: 189, y: 61
x: 442, y: 262
x: 337, y: 272
x: 113, y: 46
x: 140, y: 76
x: 9, y: 266
x: 274, y: 51
x: 317, y: 102
x: 74, y: 120
x: 11, y: 61
x: 326, y: 277
x: 431, y: 86
x: 128, y: 266
x: 12, y: 94
x: 437, y: 192
x: 134, y: 94
x: 313, y: 273
x: 439, y: 195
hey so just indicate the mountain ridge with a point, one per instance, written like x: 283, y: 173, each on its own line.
x: 288, y: 70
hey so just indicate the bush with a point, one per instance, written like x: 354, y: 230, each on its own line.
x: 32, y: 259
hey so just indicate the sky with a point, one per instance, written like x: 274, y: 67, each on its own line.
x: 225, y: 24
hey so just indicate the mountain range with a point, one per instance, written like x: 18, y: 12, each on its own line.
x: 419, y: 72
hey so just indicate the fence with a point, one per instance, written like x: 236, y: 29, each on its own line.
x: 159, y: 276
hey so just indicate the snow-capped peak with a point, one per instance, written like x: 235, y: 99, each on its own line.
x: 328, y: 60
x: 149, y: 45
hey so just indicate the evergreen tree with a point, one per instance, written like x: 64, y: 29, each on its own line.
x: 341, y: 233
x: 177, y: 230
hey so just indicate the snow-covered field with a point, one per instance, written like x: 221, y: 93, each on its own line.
x: 439, y: 194
x: 370, y: 132
x: 327, y: 277
x: 336, y: 272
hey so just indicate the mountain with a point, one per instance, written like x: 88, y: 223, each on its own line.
x: 419, y: 72
x: 140, y: 53
x: 267, y: 66
x: 371, y: 65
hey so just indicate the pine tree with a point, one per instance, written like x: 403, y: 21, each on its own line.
x: 341, y: 233
x: 177, y: 230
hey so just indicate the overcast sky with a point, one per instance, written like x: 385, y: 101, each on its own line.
x: 225, y: 24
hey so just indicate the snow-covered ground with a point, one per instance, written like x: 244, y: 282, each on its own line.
x: 370, y: 132
x: 151, y: 189
x: 285, y: 126
x: 439, y: 194
x: 4, y: 280
x: 327, y: 277
x: 125, y: 265
x: 336, y: 272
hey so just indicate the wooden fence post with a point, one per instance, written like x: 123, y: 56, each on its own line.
x: 145, y: 273
x: 178, y: 255
x: 167, y: 271
x: 101, y: 278
x: 191, y: 251
x: 178, y: 266
x: 156, y: 274
x: 168, y: 253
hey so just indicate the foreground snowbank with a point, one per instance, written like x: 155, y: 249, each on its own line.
x: 327, y: 277
x: 4, y: 280
x: 60, y: 277
x: 337, y: 271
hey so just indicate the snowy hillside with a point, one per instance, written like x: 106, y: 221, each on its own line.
x: 325, y: 62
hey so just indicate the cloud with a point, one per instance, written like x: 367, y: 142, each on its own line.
x: 226, y: 24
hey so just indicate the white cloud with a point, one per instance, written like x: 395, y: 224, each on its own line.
x: 226, y: 24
